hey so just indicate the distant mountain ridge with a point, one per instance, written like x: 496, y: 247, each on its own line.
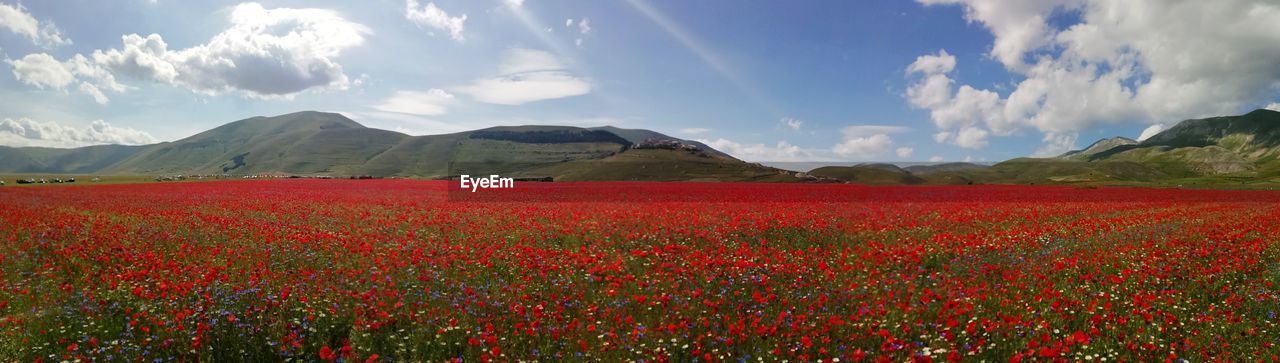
x: 1228, y: 149
x: 1231, y: 149
x: 319, y: 143
x: 1235, y: 146
x: 1098, y: 147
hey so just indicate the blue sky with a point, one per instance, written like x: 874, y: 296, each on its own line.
x: 764, y: 80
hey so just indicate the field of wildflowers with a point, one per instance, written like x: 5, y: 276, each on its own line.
x: 398, y: 270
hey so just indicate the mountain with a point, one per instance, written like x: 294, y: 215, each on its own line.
x: 1230, y: 146
x: 318, y: 143
x: 929, y: 169
x: 1052, y: 170
x: 64, y: 161
x: 952, y: 173
x: 637, y: 136
x: 871, y: 174
x: 1212, y: 151
x: 1229, y: 150
x: 1098, y: 147
x: 302, y: 142
x: 1209, y: 151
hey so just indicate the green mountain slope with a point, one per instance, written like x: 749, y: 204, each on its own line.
x: 1241, y: 146
x: 52, y: 160
x: 637, y: 136
x: 1098, y: 147
x: 871, y: 174
x: 302, y: 142
x: 318, y: 143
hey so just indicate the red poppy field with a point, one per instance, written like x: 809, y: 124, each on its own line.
x: 397, y: 270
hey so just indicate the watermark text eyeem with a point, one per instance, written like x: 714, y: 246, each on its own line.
x: 492, y: 182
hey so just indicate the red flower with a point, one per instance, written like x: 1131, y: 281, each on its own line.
x: 327, y: 354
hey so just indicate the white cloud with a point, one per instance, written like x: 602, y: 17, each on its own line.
x: 272, y: 52
x: 527, y: 76
x: 867, y: 130
x: 936, y: 159
x: 425, y: 125
x: 694, y: 131
x: 87, y: 69
x: 521, y: 60
x: 513, y: 3
x: 93, y: 91
x: 905, y: 152
x: 146, y: 58
x: 263, y: 53
x: 971, y: 138
x: 1150, y: 131
x: 524, y: 88
x: 933, y: 64
x: 968, y: 137
x: 42, y: 71
x: 943, y: 137
x: 863, y: 147
x: 1056, y: 144
x: 782, y: 151
x: 1019, y: 25
x: 1273, y: 106
x: 584, y: 27
x: 19, y: 21
x: 1115, y: 65
x: 425, y: 103
x: 865, y: 142
x: 791, y: 123
x: 24, y: 132
x: 433, y: 17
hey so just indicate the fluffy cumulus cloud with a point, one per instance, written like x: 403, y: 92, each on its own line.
x: 865, y: 142
x: 422, y: 103
x: 1273, y: 106
x: 16, y: 19
x: 41, y: 71
x: 1123, y: 61
x: 431, y: 16
x: 782, y: 151
x: 263, y: 53
x: 44, y: 72
x: 26, y: 132
x: 905, y: 152
x: 527, y: 75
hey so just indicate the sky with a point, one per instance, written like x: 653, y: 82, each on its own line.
x: 769, y: 81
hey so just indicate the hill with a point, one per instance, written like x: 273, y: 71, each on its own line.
x: 871, y: 174
x: 1209, y: 151
x: 302, y: 142
x: 1241, y: 146
x: 1098, y: 147
x: 1229, y: 150
x: 319, y: 143
x: 1212, y: 151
